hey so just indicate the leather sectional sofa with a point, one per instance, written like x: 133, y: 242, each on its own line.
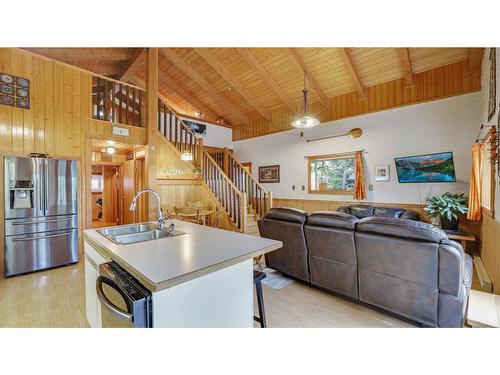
x: 405, y: 267
x: 362, y: 210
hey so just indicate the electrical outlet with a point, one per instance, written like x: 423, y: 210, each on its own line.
x: 370, y: 187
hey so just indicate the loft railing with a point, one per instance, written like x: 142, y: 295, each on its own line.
x: 117, y: 102
x: 178, y: 133
x: 233, y: 200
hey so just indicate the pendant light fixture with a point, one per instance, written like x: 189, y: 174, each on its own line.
x: 307, y: 120
x: 186, y: 156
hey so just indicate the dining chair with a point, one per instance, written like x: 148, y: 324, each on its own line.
x: 191, y: 214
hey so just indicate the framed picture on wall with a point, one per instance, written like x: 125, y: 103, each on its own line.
x: 269, y: 174
x: 382, y: 173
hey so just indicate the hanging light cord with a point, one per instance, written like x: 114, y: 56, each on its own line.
x: 305, y: 93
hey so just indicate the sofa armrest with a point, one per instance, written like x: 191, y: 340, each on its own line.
x: 451, y: 267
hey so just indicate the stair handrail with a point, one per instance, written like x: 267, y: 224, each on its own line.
x: 249, y: 174
x: 242, y: 212
x: 177, y: 115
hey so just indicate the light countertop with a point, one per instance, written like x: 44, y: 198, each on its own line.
x: 163, y: 263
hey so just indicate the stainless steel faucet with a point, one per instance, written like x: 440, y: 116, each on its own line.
x: 161, y: 218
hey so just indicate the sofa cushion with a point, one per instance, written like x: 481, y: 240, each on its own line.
x: 403, y: 228
x: 287, y: 214
x: 388, y: 212
x: 361, y: 211
x: 333, y: 219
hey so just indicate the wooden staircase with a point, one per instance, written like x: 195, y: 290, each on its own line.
x: 237, y: 191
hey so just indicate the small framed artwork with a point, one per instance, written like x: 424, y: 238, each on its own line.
x: 382, y: 173
x: 269, y: 174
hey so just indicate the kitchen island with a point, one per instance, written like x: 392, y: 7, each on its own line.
x: 200, y: 278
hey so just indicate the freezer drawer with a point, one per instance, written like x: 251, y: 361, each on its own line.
x: 40, y: 224
x: 38, y: 251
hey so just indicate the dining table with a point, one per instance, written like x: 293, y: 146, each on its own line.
x: 204, y: 214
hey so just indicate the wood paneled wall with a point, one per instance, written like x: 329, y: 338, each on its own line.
x: 490, y: 249
x: 448, y: 80
x: 58, y: 123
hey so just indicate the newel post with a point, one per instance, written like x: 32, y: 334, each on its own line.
x: 199, y: 162
x: 244, y: 212
x: 226, y: 161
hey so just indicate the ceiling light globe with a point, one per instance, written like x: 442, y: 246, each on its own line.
x: 305, y: 122
x: 186, y: 156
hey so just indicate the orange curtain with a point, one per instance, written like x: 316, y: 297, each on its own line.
x: 359, y: 182
x: 475, y: 188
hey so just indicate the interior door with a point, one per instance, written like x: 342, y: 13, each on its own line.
x: 128, y: 190
x: 61, y: 187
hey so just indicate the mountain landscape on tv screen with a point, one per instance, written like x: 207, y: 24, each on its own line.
x: 426, y: 168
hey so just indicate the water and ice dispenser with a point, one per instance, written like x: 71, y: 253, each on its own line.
x: 21, y: 194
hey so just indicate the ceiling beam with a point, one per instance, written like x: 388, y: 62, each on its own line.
x: 132, y: 65
x: 238, y: 86
x: 404, y: 53
x: 182, y: 93
x: 251, y: 60
x: 475, y: 59
x: 180, y: 64
x: 346, y: 56
x: 188, y: 97
x: 302, y: 67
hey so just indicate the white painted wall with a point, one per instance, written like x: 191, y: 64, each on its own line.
x: 485, y: 76
x: 443, y: 125
x: 217, y: 136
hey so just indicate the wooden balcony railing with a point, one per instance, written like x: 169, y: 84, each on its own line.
x: 233, y: 201
x: 178, y: 133
x: 117, y: 102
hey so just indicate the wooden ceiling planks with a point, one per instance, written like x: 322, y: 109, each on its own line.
x: 407, y: 67
x: 255, y: 86
x: 219, y: 67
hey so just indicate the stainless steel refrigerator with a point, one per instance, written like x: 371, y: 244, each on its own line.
x: 41, y: 214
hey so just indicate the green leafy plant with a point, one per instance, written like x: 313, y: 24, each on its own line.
x: 447, y: 205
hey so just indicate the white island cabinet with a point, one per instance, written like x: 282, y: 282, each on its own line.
x: 202, y: 278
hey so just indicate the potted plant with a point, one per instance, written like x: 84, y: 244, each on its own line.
x: 447, y: 207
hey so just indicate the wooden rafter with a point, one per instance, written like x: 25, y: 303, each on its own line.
x: 182, y: 93
x: 475, y: 58
x: 251, y: 60
x: 221, y: 70
x: 187, y: 96
x: 302, y: 67
x: 132, y: 65
x: 346, y: 56
x: 404, y: 53
x: 200, y: 81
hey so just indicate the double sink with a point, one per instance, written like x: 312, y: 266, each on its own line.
x: 130, y: 234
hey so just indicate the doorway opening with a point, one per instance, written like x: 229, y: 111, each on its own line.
x: 117, y: 175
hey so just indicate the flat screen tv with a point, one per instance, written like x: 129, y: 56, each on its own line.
x: 426, y: 168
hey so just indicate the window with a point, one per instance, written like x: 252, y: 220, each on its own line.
x: 331, y: 174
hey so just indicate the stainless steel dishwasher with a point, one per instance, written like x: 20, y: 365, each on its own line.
x: 124, y: 301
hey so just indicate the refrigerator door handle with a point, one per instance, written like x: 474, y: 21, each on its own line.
x: 41, y: 222
x: 46, y: 187
x: 41, y: 238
